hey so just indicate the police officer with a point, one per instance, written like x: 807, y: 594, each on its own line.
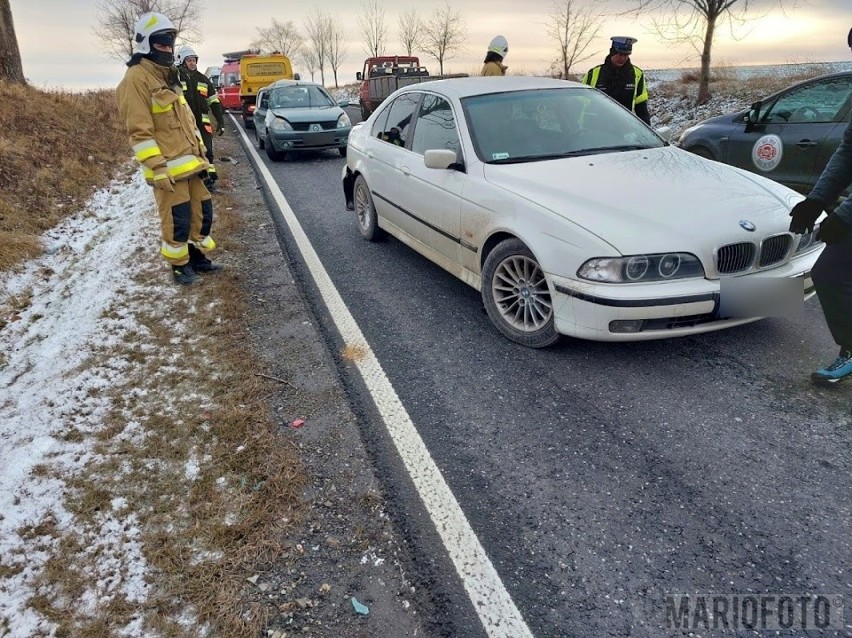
x: 497, y: 50
x: 202, y: 99
x: 166, y: 141
x: 832, y: 273
x: 620, y: 79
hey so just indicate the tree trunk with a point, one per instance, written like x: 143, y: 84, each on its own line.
x: 10, y: 55
x: 704, y: 81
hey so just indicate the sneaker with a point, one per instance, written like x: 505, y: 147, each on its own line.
x: 840, y: 369
x: 184, y: 275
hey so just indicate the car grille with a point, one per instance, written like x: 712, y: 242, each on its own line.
x: 774, y: 250
x: 735, y: 258
x: 306, y: 126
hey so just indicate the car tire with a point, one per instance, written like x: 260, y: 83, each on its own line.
x: 365, y: 211
x: 342, y: 151
x: 516, y: 295
x: 275, y: 156
x: 702, y: 151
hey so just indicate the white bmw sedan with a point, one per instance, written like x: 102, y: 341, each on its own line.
x: 570, y: 215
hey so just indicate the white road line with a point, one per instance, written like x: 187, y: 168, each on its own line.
x: 497, y: 611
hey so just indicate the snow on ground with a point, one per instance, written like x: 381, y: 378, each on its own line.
x: 49, y: 394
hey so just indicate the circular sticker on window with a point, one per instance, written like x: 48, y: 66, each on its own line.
x: 767, y: 152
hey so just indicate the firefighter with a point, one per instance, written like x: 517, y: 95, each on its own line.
x: 832, y: 272
x: 167, y: 143
x: 202, y: 99
x: 619, y: 79
x: 497, y: 50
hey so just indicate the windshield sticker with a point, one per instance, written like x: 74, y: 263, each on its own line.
x: 499, y: 156
x: 767, y: 152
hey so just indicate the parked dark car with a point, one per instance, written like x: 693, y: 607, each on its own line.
x: 788, y: 137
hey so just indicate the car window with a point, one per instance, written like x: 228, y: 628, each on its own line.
x: 539, y: 124
x: 398, y: 125
x: 263, y: 100
x: 380, y: 123
x: 299, y: 97
x: 435, y: 127
x: 231, y: 79
x: 814, y: 103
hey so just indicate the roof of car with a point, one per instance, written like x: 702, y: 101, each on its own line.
x: 467, y: 86
x: 280, y: 83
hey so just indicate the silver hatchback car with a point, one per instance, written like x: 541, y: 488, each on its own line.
x: 292, y: 115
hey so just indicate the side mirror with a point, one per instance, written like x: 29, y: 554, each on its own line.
x: 440, y: 158
x: 752, y: 118
x: 665, y: 132
x: 296, y: 77
x: 358, y: 76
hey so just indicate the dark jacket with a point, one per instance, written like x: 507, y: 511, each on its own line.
x: 625, y: 85
x: 836, y: 177
x: 201, y: 97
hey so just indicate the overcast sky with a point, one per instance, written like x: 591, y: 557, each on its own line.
x: 59, y: 47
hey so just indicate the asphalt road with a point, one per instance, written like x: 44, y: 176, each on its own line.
x: 598, y: 477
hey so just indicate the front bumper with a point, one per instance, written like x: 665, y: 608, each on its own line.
x: 308, y: 140
x: 641, y: 312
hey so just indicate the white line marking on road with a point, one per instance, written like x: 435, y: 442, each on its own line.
x: 496, y: 609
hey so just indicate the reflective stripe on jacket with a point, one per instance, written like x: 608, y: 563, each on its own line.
x: 640, y: 91
x: 159, y: 122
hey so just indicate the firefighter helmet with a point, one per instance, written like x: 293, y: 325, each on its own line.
x: 499, y: 45
x: 152, y: 24
x: 185, y: 52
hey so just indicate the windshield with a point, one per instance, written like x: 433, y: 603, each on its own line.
x: 539, y: 124
x: 299, y: 97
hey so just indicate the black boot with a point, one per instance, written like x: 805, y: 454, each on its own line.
x: 200, y: 263
x: 184, y: 275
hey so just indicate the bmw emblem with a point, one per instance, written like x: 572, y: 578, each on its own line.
x: 747, y: 225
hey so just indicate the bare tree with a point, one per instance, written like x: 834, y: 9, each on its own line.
x: 116, y: 19
x: 695, y: 22
x: 309, y: 59
x: 442, y: 36
x: 283, y: 37
x: 372, y: 27
x: 317, y: 30
x: 409, y: 30
x: 336, y: 46
x: 11, y: 69
x: 573, y: 24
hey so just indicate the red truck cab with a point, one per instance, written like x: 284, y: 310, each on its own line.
x: 375, y: 67
x: 229, y: 85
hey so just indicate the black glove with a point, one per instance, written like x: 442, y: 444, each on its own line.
x: 833, y: 230
x: 220, y: 131
x: 804, y: 215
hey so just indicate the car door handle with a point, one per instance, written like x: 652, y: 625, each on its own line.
x: 805, y: 143
x: 370, y: 154
x: 405, y: 170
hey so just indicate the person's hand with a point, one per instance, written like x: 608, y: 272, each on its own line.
x: 162, y: 180
x: 833, y: 230
x: 804, y: 215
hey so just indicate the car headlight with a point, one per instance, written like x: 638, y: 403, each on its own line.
x: 280, y: 124
x: 343, y: 121
x: 808, y: 241
x: 685, y: 133
x: 641, y: 268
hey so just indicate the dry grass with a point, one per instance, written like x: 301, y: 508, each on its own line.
x: 56, y: 149
x: 200, y: 538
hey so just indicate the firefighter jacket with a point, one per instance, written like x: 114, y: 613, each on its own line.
x: 625, y: 85
x: 162, y: 129
x: 493, y: 68
x: 201, y: 97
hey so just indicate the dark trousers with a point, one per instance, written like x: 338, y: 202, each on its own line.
x: 832, y: 277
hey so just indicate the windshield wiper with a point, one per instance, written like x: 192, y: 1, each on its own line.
x: 537, y: 158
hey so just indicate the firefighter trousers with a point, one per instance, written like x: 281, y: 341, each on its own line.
x: 186, y: 215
